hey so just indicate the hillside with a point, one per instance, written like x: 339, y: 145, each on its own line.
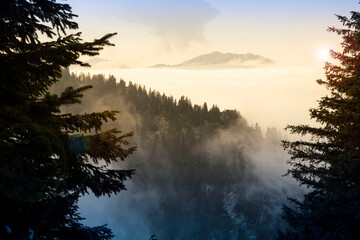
x: 200, y: 171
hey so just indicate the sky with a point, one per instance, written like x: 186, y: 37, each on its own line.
x: 292, y: 33
x: 153, y: 31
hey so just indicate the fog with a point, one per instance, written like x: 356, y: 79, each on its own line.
x: 239, y: 198
x: 271, y: 96
x: 210, y: 180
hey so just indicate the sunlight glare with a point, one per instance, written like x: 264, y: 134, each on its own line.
x: 323, y: 53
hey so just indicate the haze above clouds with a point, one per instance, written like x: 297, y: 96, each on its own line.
x: 176, y: 23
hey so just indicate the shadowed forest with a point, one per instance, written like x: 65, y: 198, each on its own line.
x: 199, y: 171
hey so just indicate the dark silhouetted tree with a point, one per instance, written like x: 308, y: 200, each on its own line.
x: 49, y: 159
x: 329, y: 164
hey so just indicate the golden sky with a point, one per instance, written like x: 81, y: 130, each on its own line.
x: 292, y: 33
x: 170, y: 31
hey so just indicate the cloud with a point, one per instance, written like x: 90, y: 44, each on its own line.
x: 176, y: 22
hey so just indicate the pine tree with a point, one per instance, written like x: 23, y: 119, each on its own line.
x: 49, y: 159
x: 329, y: 164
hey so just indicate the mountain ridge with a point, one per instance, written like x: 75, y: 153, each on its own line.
x: 221, y: 60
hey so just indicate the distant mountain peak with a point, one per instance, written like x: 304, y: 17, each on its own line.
x: 221, y: 60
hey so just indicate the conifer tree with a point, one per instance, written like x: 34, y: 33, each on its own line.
x: 329, y: 164
x: 49, y: 159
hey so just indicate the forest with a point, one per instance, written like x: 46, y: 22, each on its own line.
x: 199, y: 171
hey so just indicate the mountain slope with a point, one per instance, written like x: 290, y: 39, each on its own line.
x: 221, y: 60
x: 201, y: 173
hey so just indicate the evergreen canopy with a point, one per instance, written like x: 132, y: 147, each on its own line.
x: 329, y: 164
x: 49, y: 159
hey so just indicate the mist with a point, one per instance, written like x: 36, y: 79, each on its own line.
x: 270, y: 96
x: 201, y: 173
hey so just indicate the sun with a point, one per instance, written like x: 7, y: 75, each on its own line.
x: 323, y: 53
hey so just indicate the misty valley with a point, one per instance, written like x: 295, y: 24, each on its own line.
x: 201, y: 173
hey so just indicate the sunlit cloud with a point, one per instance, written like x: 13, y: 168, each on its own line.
x: 177, y: 23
